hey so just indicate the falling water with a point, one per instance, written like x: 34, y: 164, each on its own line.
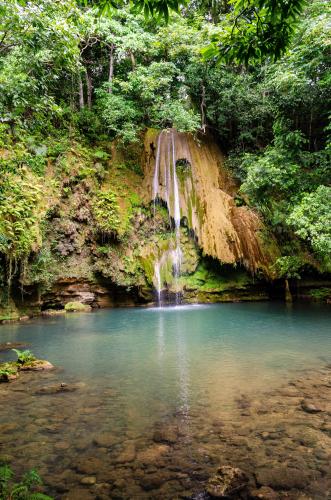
x: 171, y: 192
x: 157, y: 171
x: 177, y: 253
x: 157, y: 279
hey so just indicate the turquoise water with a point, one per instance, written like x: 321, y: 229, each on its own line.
x: 182, y: 356
x: 207, y: 376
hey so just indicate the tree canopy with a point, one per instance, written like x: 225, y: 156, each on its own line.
x: 69, y: 74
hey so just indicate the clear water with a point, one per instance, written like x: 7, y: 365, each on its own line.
x: 141, y: 366
x: 182, y: 356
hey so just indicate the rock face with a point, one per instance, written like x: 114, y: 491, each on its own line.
x: 207, y: 197
x: 227, y: 482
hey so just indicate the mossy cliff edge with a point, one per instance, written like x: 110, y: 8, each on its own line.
x: 82, y: 227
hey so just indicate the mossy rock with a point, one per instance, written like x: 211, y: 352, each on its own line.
x: 77, y: 307
x: 8, y: 372
x: 36, y: 365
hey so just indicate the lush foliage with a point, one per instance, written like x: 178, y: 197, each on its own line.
x: 24, y: 357
x: 78, y: 88
x: 22, y: 490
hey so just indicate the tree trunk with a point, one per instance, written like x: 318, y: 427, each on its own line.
x: 89, y: 90
x: 203, y: 107
x: 133, y: 60
x: 81, y: 93
x: 111, y: 68
x: 288, y: 294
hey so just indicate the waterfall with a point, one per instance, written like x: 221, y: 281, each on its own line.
x: 157, y: 171
x: 166, y: 155
x: 177, y: 252
x: 157, y: 279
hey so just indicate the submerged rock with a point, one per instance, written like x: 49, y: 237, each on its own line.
x: 8, y: 346
x: 282, y: 477
x: 104, y: 440
x: 264, y: 493
x: 88, y: 480
x: 166, y: 434
x: 53, y: 312
x: 310, y: 407
x: 57, y: 388
x: 227, y: 482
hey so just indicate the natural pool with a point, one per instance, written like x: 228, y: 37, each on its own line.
x: 161, y: 394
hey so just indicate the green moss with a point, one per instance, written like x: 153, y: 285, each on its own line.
x: 77, y: 307
x: 206, y: 279
x: 320, y: 294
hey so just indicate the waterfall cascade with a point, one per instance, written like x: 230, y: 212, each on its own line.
x: 187, y: 174
x: 166, y: 146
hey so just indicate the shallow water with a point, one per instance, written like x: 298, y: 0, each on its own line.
x: 144, y: 366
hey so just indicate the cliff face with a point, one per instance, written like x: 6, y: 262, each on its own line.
x: 224, y: 231
x: 101, y: 235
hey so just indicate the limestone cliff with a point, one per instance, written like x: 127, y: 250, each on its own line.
x: 223, y: 230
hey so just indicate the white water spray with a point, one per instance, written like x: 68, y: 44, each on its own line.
x: 166, y: 143
x: 157, y: 280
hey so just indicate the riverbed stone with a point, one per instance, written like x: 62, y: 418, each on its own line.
x: 153, y: 481
x: 310, y: 406
x: 128, y: 454
x: 227, y: 482
x: 79, y: 494
x: 152, y: 454
x: 282, y: 477
x: 104, y: 440
x: 89, y: 465
x: 166, y: 434
x: 264, y: 493
x: 88, y: 480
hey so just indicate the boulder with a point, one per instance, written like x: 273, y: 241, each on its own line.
x: 77, y: 307
x: 37, y: 365
x: 227, y: 482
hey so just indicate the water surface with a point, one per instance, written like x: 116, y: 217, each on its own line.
x: 143, y: 366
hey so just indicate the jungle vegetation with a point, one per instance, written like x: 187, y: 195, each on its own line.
x: 255, y: 74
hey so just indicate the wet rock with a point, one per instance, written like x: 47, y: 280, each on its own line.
x: 7, y: 346
x: 202, y: 495
x: 56, y: 388
x: 152, y: 454
x: 53, y: 312
x: 104, y: 440
x: 102, y: 490
x: 326, y: 427
x: 37, y: 365
x: 128, y: 454
x: 119, y: 483
x: 227, y: 482
x: 166, y: 434
x: 310, y: 407
x: 89, y: 465
x: 79, y: 494
x: 88, y: 480
x: 153, y: 481
x: 82, y: 443
x: 62, y: 445
x: 282, y: 477
x: 264, y: 493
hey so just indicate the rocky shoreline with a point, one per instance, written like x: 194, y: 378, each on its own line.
x: 274, y: 445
